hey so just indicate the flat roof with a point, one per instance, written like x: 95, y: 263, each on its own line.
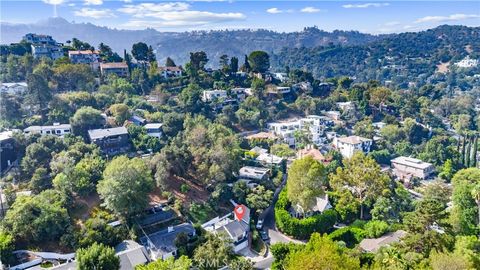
x: 411, y: 162
x: 107, y: 132
x: 353, y: 140
x: 153, y: 125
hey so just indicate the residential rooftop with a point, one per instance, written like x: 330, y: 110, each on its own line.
x: 107, y: 132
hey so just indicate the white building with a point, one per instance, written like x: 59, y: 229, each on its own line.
x: 349, y: 145
x: 281, y: 76
x: 254, y: 173
x: 210, y: 95
x: 407, y: 167
x: 87, y: 57
x: 154, y: 129
x: 267, y: 159
x: 467, y: 63
x: 55, y: 129
x: 314, y: 125
x: 46, y: 50
x: 170, y: 72
x: 14, y: 88
x: 120, y: 69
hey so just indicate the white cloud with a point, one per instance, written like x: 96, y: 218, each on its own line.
x: 366, y: 5
x: 94, y: 13
x: 54, y: 2
x: 127, y: 1
x: 93, y: 2
x: 173, y: 14
x: 453, y: 17
x: 275, y: 10
x: 71, y: 4
x: 310, y: 10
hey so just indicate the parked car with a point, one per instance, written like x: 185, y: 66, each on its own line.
x: 259, y: 225
x: 264, y: 236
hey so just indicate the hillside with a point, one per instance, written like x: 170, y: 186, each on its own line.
x: 401, y: 57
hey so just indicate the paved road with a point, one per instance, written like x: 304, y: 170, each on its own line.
x: 271, y: 228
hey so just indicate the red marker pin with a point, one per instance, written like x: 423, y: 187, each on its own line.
x: 239, y: 211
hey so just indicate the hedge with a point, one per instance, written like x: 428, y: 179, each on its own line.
x: 350, y: 235
x: 301, y: 228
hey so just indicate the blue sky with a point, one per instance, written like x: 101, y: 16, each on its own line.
x: 366, y: 16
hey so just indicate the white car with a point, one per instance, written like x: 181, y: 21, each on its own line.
x: 259, y: 224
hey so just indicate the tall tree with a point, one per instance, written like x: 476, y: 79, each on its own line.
x: 170, y: 62
x: 84, y: 119
x: 198, y: 60
x: 38, y: 94
x: 465, y: 212
x: 259, y: 61
x: 361, y: 177
x: 306, y: 181
x: 125, y: 185
x: 140, y: 51
x: 234, y: 64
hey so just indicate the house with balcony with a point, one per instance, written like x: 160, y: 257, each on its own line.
x: 120, y: 69
x: 406, y: 168
x: 55, y: 129
x: 170, y: 72
x: 211, y: 95
x: 313, y: 125
x: 87, y: 57
x: 111, y: 141
x: 347, y: 146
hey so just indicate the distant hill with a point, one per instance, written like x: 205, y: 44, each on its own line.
x: 401, y: 58
x: 178, y: 45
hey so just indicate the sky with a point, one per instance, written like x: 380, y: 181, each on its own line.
x: 376, y: 17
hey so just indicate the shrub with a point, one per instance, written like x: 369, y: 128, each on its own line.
x: 376, y: 228
x: 184, y: 188
x: 301, y: 228
x: 350, y: 235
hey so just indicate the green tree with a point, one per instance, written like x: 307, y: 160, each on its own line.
x: 364, y: 128
x: 321, y: 253
x: 38, y: 94
x: 362, y: 178
x: 198, y: 60
x: 125, y: 185
x: 84, y: 119
x: 38, y: 218
x: 215, y: 253
x: 97, y: 257
x: 120, y: 112
x: 140, y: 51
x: 465, y: 212
x: 259, y: 61
x: 7, y: 245
x: 234, y: 64
x: 306, y: 181
x: 259, y: 198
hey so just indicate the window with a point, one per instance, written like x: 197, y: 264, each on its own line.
x: 58, y: 131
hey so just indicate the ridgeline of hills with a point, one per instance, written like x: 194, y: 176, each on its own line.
x: 404, y: 57
x: 177, y: 45
x: 401, y: 58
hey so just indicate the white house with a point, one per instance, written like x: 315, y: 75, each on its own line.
x: 314, y: 125
x: 281, y: 76
x: 87, y: 57
x: 407, y: 167
x: 349, y: 145
x: 235, y: 228
x: 254, y: 173
x: 170, y: 72
x: 267, y: 159
x: 154, y: 129
x: 210, y: 95
x: 55, y: 129
x: 14, y: 88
